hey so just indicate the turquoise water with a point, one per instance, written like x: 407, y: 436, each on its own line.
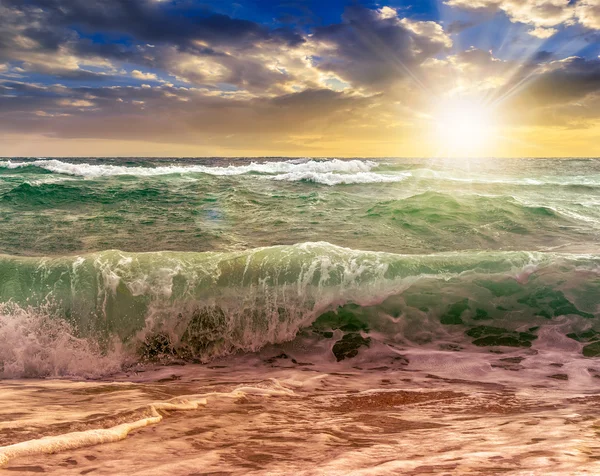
x: 196, y: 258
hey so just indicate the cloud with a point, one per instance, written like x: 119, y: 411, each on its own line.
x: 459, y: 26
x: 588, y: 12
x: 203, y: 119
x: 185, y: 39
x: 172, y: 22
x: 373, y: 48
x: 430, y: 30
x: 181, y: 73
x: 568, y: 79
x: 544, y: 15
x: 75, y: 103
x: 137, y: 74
x: 543, y: 33
x: 538, y: 91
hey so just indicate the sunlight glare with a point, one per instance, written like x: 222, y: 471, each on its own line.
x: 463, y: 128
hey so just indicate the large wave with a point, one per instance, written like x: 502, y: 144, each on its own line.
x: 197, y: 306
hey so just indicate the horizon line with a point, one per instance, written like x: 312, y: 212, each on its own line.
x: 314, y: 157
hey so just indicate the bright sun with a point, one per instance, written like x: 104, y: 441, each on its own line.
x: 463, y: 128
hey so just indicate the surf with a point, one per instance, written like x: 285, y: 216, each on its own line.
x: 269, y: 167
x: 200, y: 306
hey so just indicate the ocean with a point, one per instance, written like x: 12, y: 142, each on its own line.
x: 308, y: 316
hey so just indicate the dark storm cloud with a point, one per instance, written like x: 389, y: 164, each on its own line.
x: 564, y: 93
x: 63, y: 38
x: 174, y: 22
x: 120, y: 52
x: 569, y: 79
x: 560, y: 82
x: 373, y: 49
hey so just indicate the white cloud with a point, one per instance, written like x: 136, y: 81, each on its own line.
x: 47, y: 114
x: 137, y: 74
x: 473, y: 71
x: 588, y: 12
x: 540, y: 13
x: 428, y: 29
x: 387, y: 12
x: 75, y: 103
x: 542, y: 33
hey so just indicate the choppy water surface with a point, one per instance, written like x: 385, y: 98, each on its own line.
x: 356, y: 301
x: 63, y: 207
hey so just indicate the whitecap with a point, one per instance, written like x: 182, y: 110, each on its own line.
x: 283, y: 167
x: 330, y: 178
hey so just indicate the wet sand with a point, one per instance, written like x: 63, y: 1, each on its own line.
x: 269, y: 416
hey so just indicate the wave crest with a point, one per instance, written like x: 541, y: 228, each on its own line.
x: 283, y: 167
x: 330, y: 178
x: 198, y: 306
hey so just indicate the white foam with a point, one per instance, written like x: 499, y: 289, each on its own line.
x: 466, y: 177
x: 80, y: 439
x: 330, y: 178
x: 43, y: 346
x: 283, y: 167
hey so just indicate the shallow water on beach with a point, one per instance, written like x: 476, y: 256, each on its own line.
x: 270, y: 413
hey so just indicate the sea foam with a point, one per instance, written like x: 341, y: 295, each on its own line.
x: 199, y: 306
x: 283, y: 167
x: 40, y: 344
x: 330, y: 178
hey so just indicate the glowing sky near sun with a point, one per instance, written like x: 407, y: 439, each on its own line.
x: 304, y: 78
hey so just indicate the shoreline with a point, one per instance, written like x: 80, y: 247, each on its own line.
x: 267, y: 416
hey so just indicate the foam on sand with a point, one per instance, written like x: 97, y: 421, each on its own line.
x: 80, y: 439
x: 151, y: 416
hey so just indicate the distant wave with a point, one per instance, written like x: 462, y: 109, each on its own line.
x: 284, y: 167
x: 330, y: 178
x: 465, y: 177
x: 326, y: 171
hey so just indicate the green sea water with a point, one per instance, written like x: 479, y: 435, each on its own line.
x: 196, y: 258
x: 400, y: 206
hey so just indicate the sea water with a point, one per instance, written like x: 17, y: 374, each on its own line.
x: 269, y: 316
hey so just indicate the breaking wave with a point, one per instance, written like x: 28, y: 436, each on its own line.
x: 284, y: 167
x: 324, y: 171
x: 38, y: 343
x: 330, y: 178
x: 115, y: 307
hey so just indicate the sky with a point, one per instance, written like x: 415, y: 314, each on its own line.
x: 319, y: 78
